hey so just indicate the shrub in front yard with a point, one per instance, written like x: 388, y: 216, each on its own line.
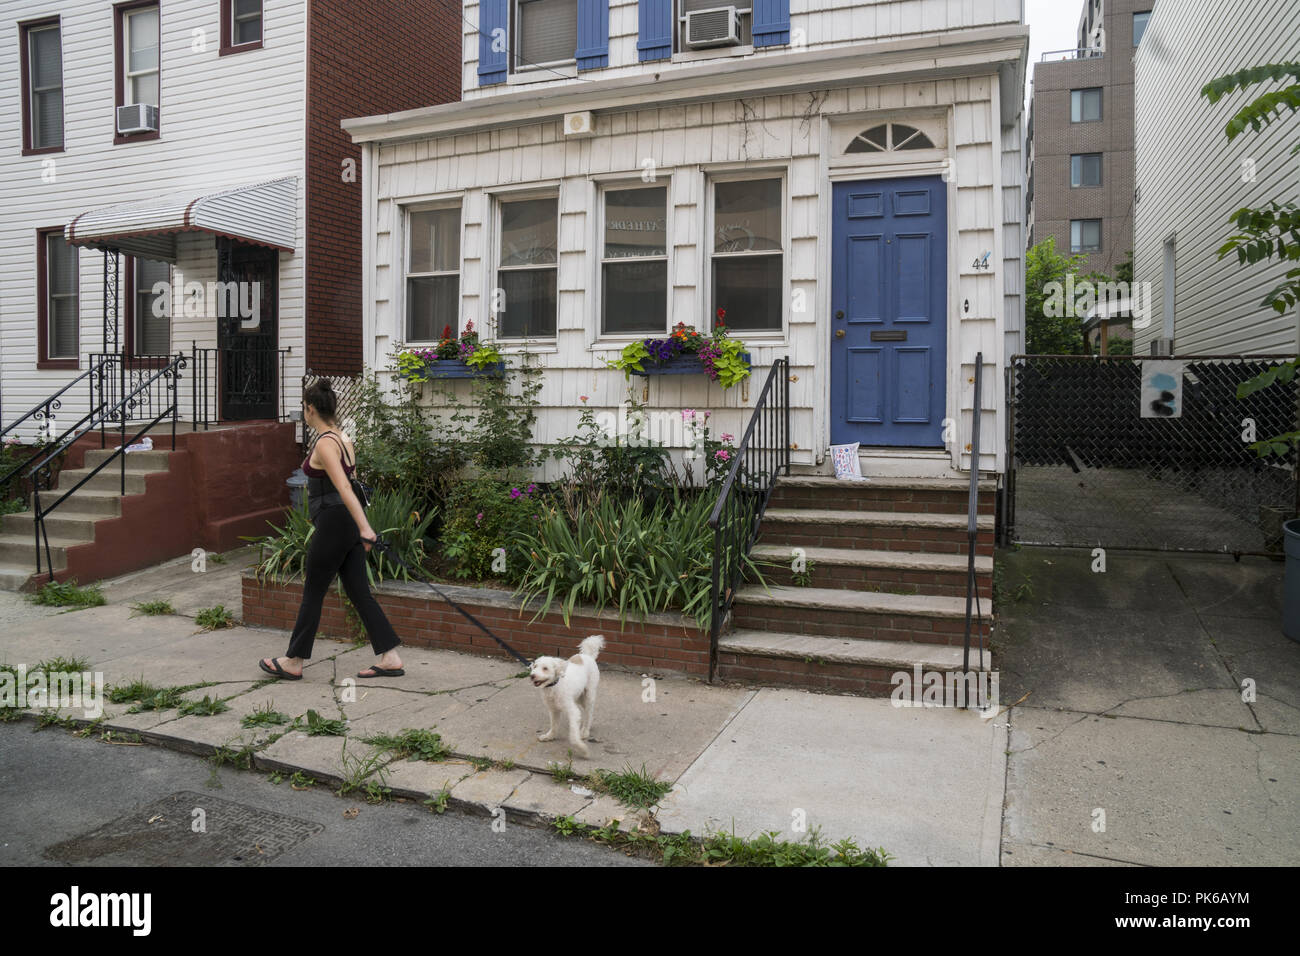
x: 483, y: 515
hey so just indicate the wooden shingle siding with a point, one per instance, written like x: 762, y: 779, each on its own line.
x: 1190, y: 178
x: 813, y: 24
x: 686, y: 143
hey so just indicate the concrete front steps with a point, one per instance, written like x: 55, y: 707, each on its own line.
x: 71, y: 527
x: 882, y: 590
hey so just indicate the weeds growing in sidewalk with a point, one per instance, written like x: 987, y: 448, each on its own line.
x: 206, y: 707
x: 214, y: 618
x: 153, y: 608
x: 67, y: 594
x: 412, y: 745
x: 265, y: 716
x: 318, y: 726
x: 632, y: 788
x: 300, y: 781
x: 720, y: 849
x: 358, y: 773
x: 437, y: 802
x: 562, y: 772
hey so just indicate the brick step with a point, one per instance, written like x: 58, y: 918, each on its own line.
x: 901, y: 572
x: 874, y: 530
x: 862, y: 615
x: 923, y: 495
x: 863, y: 667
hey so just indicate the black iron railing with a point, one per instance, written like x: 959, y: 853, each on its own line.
x: 764, y: 452
x: 126, y: 409
x: 972, y: 522
x: 44, y: 415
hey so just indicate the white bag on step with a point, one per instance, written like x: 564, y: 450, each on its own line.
x: 847, y: 465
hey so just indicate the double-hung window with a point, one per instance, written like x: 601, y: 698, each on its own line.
x: 634, y: 261
x: 140, y: 55
x: 748, y: 260
x: 1085, y: 169
x: 241, y: 25
x: 545, y: 33
x: 150, y: 325
x: 57, y: 310
x: 1140, y: 21
x: 42, y: 79
x: 432, y: 273
x: 526, y: 273
x: 1085, y: 235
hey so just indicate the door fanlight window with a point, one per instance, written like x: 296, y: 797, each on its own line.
x: 889, y: 136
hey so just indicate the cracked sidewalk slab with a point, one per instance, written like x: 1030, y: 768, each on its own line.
x: 1172, y: 794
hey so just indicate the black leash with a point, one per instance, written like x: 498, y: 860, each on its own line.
x: 388, y: 549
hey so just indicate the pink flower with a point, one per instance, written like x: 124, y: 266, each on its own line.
x: 479, y: 518
x: 728, y: 438
x: 707, y: 414
x: 583, y: 399
x: 722, y: 454
x: 688, y: 414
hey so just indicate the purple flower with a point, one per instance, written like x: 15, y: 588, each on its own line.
x: 515, y: 493
x: 479, y: 518
x: 531, y: 489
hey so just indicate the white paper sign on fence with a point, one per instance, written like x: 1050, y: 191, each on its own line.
x: 1162, y: 389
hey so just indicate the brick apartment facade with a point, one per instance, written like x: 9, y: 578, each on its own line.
x: 348, y: 78
x: 1104, y: 61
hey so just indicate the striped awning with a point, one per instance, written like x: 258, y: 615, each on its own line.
x: 264, y: 214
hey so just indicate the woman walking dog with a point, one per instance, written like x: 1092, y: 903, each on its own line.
x: 338, y: 546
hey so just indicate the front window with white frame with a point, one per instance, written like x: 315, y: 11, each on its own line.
x: 545, y: 33
x: 748, y: 258
x: 432, y: 273
x: 527, y: 268
x: 634, y: 261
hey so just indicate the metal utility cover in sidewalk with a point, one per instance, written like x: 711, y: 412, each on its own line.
x: 162, y: 834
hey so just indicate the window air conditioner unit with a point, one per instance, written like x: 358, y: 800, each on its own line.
x: 717, y: 26
x: 137, y: 118
x: 1162, y: 346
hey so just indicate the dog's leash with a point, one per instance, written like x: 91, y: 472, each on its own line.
x: 388, y: 549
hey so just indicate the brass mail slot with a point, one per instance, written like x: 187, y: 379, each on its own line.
x: 889, y: 335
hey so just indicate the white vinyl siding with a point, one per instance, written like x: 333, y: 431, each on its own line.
x: 1190, y: 179
x: 262, y: 111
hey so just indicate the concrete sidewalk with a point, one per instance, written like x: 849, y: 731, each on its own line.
x: 1162, y: 723
x: 924, y: 784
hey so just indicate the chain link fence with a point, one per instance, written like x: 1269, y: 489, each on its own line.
x: 1087, y: 469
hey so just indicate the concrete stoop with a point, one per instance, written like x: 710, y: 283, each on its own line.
x: 880, y: 585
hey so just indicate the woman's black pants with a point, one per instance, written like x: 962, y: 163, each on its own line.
x: 336, y: 548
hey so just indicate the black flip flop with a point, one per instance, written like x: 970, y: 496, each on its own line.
x: 277, y: 670
x: 381, y: 672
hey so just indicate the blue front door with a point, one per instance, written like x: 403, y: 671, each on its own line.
x: 889, y: 280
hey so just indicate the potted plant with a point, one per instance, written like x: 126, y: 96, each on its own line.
x: 686, y: 351
x: 453, y: 357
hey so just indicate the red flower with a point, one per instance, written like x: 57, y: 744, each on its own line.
x: 722, y: 314
x: 446, y: 331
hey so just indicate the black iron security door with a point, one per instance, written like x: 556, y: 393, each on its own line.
x: 247, y: 329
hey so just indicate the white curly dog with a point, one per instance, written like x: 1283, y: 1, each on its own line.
x: 569, y: 690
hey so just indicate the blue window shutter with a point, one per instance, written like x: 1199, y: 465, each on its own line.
x: 593, y: 34
x: 771, y: 22
x: 493, y: 15
x: 656, y: 30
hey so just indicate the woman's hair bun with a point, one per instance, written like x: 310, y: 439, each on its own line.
x: 326, y: 385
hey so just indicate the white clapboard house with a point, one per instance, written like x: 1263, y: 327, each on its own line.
x: 844, y: 180
x: 156, y: 200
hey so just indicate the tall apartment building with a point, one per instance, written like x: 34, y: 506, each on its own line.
x: 1079, y: 147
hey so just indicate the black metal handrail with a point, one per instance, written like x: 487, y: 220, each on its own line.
x: 763, y: 452
x: 120, y: 413
x: 972, y: 522
x: 43, y: 412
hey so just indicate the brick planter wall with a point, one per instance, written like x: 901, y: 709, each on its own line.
x: 664, y: 643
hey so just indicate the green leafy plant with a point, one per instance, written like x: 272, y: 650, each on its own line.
x: 282, y: 556
x: 206, y: 707
x: 721, y: 357
x: 437, y: 802
x: 632, y: 788
x: 1048, y: 330
x: 318, y: 726
x: 153, y: 608
x: 264, y: 716
x: 412, y: 745
x: 67, y: 594
x: 484, y: 515
x: 214, y: 618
